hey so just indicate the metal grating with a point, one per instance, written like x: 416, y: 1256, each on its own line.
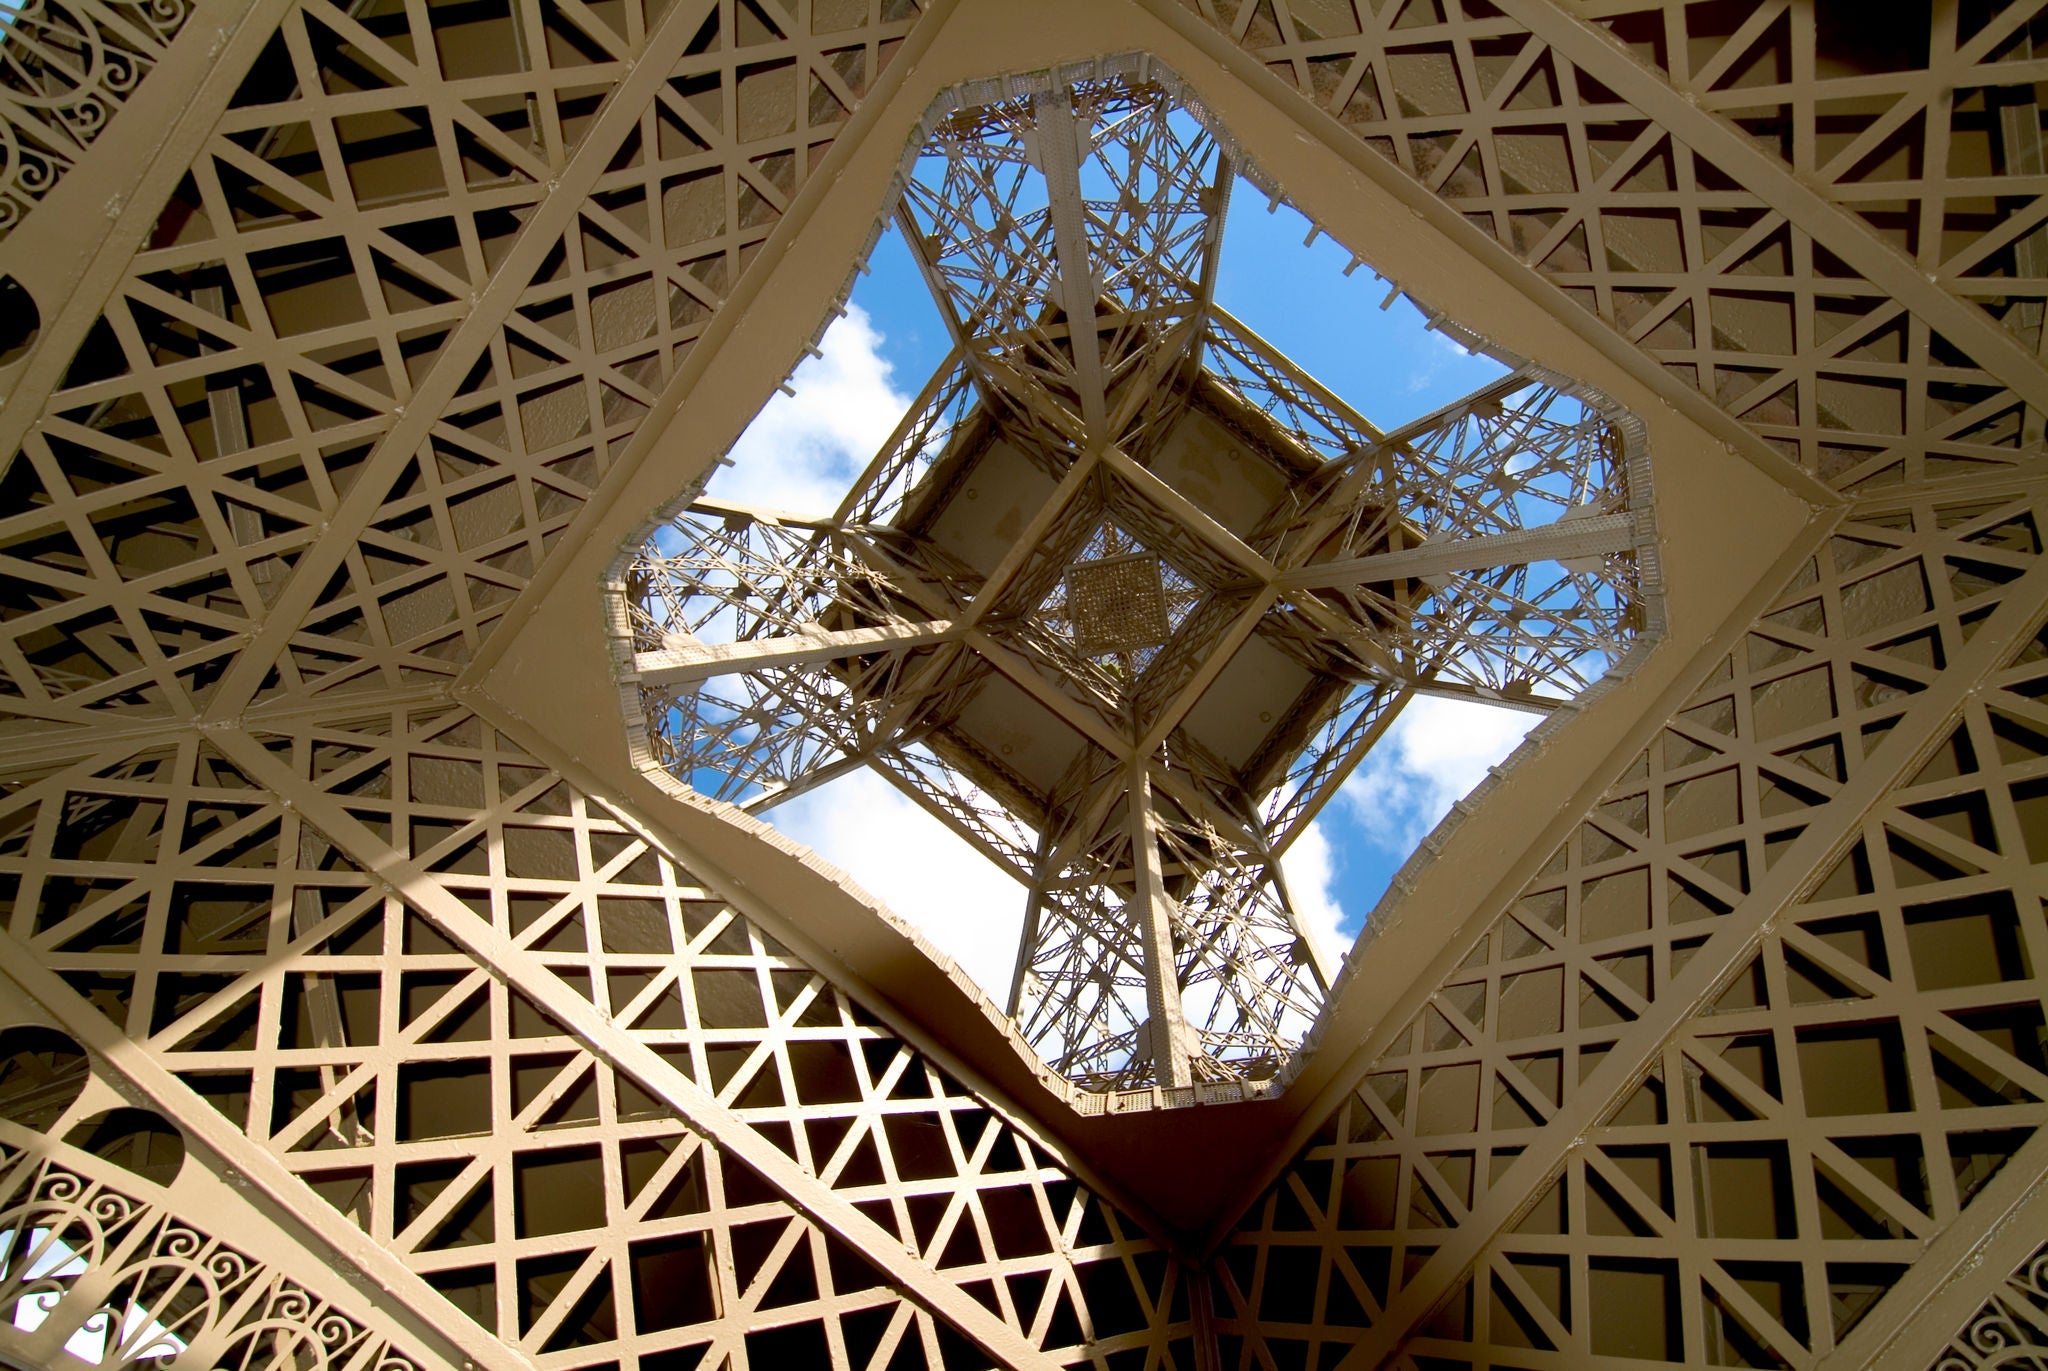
x: 1117, y: 604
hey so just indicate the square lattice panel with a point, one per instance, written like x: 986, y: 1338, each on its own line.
x: 1118, y: 604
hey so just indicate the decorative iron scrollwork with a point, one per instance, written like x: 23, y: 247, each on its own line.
x: 101, y: 1268
x: 2010, y: 1330
x: 66, y: 68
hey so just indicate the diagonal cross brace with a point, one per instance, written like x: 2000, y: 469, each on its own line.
x: 1735, y: 936
x: 692, y: 1103
x: 1994, y: 348
x: 619, y: 117
x: 391, y: 1296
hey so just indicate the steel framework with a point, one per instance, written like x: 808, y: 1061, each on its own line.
x: 1488, y: 550
x: 363, y: 1007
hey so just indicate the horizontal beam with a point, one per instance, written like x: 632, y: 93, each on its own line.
x: 684, y: 661
x: 1566, y: 540
x: 1485, y: 695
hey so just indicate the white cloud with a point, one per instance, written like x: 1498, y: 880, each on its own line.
x: 801, y: 454
x: 803, y: 451
x: 1443, y: 353
x: 1436, y: 752
x: 918, y: 867
x: 1310, y: 866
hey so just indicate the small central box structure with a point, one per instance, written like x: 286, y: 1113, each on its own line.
x: 1117, y: 604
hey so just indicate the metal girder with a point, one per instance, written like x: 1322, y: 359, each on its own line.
x: 1728, y: 944
x: 620, y: 115
x: 942, y: 300
x: 1189, y: 514
x: 1059, y: 156
x: 1450, y: 690
x: 1566, y: 541
x: 1073, y: 245
x: 1153, y: 916
x: 108, y: 200
x: 1019, y: 553
x: 403, y: 1296
x: 682, y: 663
x: 1212, y: 253
x: 692, y: 1103
x: 1218, y: 657
x: 1956, y: 1274
x: 1995, y: 348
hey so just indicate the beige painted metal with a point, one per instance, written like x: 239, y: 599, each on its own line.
x: 1321, y: 659
x: 1567, y: 541
x: 1813, y: 852
x: 524, y: 686
x: 68, y: 246
x: 703, y: 1111
x: 537, y: 237
x: 1831, y: 225
x: 681, y: 663
x: 1153, y: 916
x: 1426, y: 141
x: 401, y: 1300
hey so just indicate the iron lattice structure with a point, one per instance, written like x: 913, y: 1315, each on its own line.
x: 364, y: 1007
x: 1124, y: 602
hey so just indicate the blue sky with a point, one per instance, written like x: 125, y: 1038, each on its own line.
x: 1385, y: 363
x: 803, y: 451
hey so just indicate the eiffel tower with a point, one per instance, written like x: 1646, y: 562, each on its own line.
x: 399, y: 970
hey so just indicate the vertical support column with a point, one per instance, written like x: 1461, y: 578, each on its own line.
x: 1059, y: 156
x: 1218, y: 198
x: 1027, y: 943
x: 1152, y: 915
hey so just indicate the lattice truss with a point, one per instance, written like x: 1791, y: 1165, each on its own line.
x: 407, y: 305
x: 103, y: 1255
x: 2011, y: 1328
x: 66, y: 68
x: 357, y: 1040
x: 1767, y: 1139
x: 416, y: 293
x: 1488, y: 550
x: 1830, y: 228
